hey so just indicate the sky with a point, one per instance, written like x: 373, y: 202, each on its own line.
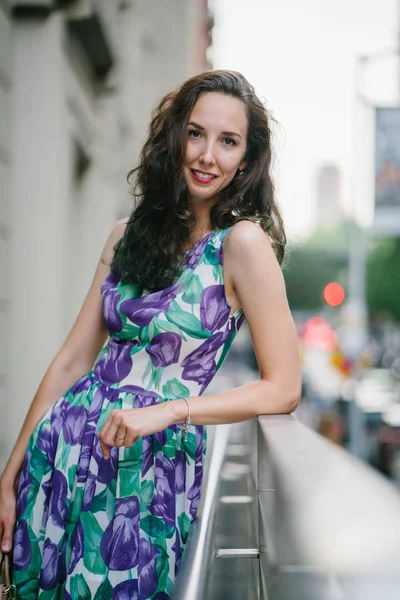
x: 300, y: 56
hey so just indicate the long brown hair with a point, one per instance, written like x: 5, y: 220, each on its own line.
x: 151, y: 251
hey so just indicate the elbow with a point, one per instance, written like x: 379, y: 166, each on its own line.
x: 293, y: 399
x: 293, y: 393
x: 292, y: 404
x: 285, y: 399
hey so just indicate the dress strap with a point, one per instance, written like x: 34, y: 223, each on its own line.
x: 218, y: 240
x: 224, y: 232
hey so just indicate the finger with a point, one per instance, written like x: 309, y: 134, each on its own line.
x: 103, y: 445
x: 106, y: 426
x: 105, y: 449
x: 120, y: 436
x: 114, y: 424
x: 7, y: 538
x: 106, y: 436
x: 130, y: 440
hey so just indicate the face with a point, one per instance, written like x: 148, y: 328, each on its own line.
x: 215, y: 146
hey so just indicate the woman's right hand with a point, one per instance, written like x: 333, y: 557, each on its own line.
x: 8, y: 517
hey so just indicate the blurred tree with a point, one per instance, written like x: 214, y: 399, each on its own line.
x: 331, y: 239
x: 307, y: 273
x: 322, y: 258
x: 383, y: 281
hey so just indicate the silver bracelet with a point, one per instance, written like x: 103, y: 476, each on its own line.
x: 185, y: 426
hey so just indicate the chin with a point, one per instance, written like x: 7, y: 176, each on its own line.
x: 201, y: 194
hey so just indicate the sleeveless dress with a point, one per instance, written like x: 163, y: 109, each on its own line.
x: 94, y: 529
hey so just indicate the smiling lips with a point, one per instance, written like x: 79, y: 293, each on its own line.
x: 202, y: 177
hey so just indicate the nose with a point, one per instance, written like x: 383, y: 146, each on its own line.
x: 207, y: 156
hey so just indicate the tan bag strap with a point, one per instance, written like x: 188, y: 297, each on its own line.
x: 10, y: 589
x: 6, y: 560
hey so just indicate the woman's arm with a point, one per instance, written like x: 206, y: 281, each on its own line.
x: 259, y: 285
x: 74, y: 359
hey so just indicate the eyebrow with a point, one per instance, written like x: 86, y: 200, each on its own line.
x: 227, y: 133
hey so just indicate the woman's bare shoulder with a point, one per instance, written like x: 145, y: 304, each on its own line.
x: 119, y: 228
x: 114, y: 236
x: 243, y: 236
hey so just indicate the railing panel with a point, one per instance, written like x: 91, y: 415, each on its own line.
x: 329, y: 525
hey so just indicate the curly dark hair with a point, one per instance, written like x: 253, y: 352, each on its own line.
x: 151, y: 252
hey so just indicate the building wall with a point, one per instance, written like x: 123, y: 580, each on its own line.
x: 5, y: 208
x: 72, y: 139
x: 329, y: 210
x: 64, y: 200
x: 92, y: 164
x: 161, y: 45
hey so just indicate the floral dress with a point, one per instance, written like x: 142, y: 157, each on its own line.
x: 95, y: 529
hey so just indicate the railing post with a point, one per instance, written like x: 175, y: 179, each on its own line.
x: 265, y: 493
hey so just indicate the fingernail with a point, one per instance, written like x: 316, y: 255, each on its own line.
x: 5, y: 548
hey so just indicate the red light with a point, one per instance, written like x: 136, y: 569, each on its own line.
x: 334, y: 294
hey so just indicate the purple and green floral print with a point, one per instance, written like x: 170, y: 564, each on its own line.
x: 95, y: 529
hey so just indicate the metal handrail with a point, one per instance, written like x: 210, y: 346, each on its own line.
x: 329, y: 526
x: 323, y: 514
x: 193, y: 580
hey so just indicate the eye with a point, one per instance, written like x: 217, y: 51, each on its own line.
x: 229, y: 142
x: 194, y: 133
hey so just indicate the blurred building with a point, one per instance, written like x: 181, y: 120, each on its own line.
x: 78, y: 80
x: 329, y: 210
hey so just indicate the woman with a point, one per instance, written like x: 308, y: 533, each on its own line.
x: 109, y: 484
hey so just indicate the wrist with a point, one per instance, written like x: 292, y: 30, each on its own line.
x: 179, y: 411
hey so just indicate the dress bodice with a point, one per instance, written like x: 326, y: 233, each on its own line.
x: 171, y: 342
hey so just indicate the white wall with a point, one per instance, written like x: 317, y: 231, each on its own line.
x: 39, y: 206
x: 59, y: 224
x: 157, y: 53
x: 5, y: 218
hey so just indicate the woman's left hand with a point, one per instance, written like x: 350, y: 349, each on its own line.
x: 123, y: 427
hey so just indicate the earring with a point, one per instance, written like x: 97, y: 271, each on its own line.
x: 240, y: 172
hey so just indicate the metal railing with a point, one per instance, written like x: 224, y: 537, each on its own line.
x: 322, y: 525
x: 199, y: 550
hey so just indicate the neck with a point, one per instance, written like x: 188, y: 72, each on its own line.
x: 201, y: 209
